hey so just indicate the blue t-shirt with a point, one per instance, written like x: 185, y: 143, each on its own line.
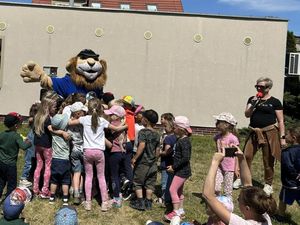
x: 168, y: 159
x: 64, y: 86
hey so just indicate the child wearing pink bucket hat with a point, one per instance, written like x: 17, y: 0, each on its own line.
x: 181, y: 165
x: 226, y: 137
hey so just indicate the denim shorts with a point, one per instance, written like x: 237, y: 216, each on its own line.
x: 60, y: 171
x: 288, y: 196
x: 77, y: 161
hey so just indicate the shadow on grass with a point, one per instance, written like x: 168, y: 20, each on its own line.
x: 257, y: 184
x: 199, y: 195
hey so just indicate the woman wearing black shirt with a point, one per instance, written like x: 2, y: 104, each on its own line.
x: 267, y: 129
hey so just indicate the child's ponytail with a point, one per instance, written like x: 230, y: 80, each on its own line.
x: 95, y: 109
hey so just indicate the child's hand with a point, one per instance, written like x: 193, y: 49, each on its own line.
x: 66, y: 136
x: 239, y: 152
x: 219, y: 156
x: 170, y: 169
x: 133, y: 160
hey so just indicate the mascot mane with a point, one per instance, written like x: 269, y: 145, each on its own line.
x: 80, y: 80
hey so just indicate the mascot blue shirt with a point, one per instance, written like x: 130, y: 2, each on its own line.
x: 64, y: 86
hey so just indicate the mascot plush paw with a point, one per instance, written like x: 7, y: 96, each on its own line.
x: 86, y: 74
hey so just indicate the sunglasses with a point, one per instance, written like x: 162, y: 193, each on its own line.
x: 261, y: 87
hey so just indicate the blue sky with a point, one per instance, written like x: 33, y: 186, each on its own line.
x: 284, y: 9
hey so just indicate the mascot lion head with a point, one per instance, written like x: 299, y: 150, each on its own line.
x: 87, y: 70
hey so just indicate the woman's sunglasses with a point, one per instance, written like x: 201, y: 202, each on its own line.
x: 260, y: 87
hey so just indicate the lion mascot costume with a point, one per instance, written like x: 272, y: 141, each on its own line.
x: 86, y: 74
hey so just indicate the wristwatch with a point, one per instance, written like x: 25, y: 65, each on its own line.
x: 282, y: 137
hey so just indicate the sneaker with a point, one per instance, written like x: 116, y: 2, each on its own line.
x: 237, y: 183
x: 105, y: 206
x: 268, y: 189
x: 117, y: 203
x: 125, y: 185
x: 25, y: 183
x: 51, y: 200
x: 148, y: 204
x: 44, y: 195
x: 65, y: 201
x: 87, y: 205
x: 138, y: 204
x: 77, y: 200
x: 181, y: 213
x: 170, y: 215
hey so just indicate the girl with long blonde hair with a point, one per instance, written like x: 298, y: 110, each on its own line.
x: 43, y: 142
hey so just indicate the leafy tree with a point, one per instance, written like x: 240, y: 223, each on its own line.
x: 291, y: 98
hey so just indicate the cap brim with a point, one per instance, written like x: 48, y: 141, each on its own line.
x: 107, y: 112
x: 189, y: 130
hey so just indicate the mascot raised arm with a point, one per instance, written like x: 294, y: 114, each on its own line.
x: 86, y: 73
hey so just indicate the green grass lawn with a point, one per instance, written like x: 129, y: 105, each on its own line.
x: 40, y: 212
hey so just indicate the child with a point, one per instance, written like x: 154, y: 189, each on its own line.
x: 225, y: 138
x: 60, y: 164
x: 213, y: 219
x: 93, y: 147
x: 10, y: 143
x: 77, y: 110
x: 166, y: 153
x: 118, y: 155
x: 30, y: 153
x: 290, y: 172
x: 43, y: 142
x: 144, y: 161
x: 181, y: 165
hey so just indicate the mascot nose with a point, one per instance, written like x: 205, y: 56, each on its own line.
x: 91, y: 61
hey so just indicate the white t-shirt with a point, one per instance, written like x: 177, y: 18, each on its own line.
x: 67, y: 110
x: 237, y: 220
x: 91, y: 139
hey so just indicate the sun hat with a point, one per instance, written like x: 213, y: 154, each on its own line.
x: 128, y: 100
x: 227, y: 202
x: 227, y: 117
x: 12, y: 119
x: 115, y: 110
x: 66, y: 215
x: 60, y: 121
x: 184, y: 123
x: 78, y: 106
x: 151, y: 116
x: 12, y: 211
x: 107, y: 97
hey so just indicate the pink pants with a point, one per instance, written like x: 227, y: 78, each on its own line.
x: 225, y: 177
x: 91, y: 156
x: 43, y: 155
x: 176, y: 189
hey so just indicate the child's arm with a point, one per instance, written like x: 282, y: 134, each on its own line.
x: 244, y: 169
x: 166, y: 151
x: 119, y: 128
x: 66, y: 136
x: 209, y: 189
x: 73, y: 122
x: 108, y: 144
x: 23, y: 144
x: 139, y: 152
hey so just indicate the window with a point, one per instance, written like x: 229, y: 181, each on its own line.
x: 1, y: 59
x: 152, y: 8
x: 125, y: 6
x: 50, y: 70
x: 96, y: 5
x: 294, y: 64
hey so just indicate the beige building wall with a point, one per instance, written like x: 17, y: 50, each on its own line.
x: 169, y: 72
